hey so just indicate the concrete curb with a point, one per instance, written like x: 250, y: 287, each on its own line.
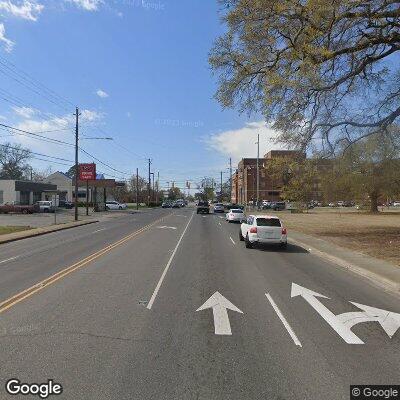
x: 373, y: 277
x: 11, y: 237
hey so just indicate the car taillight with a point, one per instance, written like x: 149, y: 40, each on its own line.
x: 283, y: 231
x: 253, y: 229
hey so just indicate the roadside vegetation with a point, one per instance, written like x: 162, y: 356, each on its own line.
x: 12, y: 229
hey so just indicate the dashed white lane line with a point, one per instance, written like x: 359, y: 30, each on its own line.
x: 283, y: 320
x: 232, y: 240
x: 9, y: 259
x: 153, y: 297
x: 99, y: 230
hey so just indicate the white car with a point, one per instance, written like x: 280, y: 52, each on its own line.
x: 45, y: 206
x: 219, y: 207
x: 396, y: 204
x: 235, y: 215
x: 114, y: 205
x: 263, y: 229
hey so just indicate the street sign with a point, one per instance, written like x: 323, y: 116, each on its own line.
x: 87, y: 172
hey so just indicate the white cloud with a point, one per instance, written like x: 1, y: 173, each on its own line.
x: 88, y: 5
x: 241, y: 143
x: 128, y: 114
x: 8, y: 44
x: 102, y: 93
x: 24, y: 112
x: 26, y: 10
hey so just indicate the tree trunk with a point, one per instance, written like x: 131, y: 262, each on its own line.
x: 374, y: 202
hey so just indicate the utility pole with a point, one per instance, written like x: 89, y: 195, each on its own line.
x: 137, y: 188
x: 220, y: 193
x: 152, y: 194
x: 258, y: 174
x: 230, y: 179
x: 149, y: 186
x: 158, y: 184
x: 76, y: 161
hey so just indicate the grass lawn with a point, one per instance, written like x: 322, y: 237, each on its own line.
x: 377, y: 235
x: 11, y: 229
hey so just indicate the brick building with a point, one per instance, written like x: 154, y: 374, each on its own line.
x: 244, y: 180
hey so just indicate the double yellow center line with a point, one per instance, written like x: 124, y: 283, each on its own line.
x: 12, y: 301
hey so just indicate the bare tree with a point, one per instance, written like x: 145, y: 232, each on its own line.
x: 13, y: 158
x: 317, y: 70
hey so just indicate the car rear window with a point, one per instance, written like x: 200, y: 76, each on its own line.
x: 268, y: 222
x: 237, y: 211
x: 203, y: 203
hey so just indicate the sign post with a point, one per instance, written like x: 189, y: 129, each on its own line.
x: 87, y: 172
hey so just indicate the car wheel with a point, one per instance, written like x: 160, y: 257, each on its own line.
x: 24, y: 211
x: 107, y: 208
x: 241, y: 238
x: 248, y: 244
x: 283, y: 245
x: 46, y: 210
x: 120, y: 208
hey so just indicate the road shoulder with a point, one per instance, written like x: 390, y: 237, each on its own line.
x: 380, y: 272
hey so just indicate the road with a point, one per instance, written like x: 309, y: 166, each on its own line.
x: 122, y: 323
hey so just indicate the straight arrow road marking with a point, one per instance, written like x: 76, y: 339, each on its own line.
x: 220, y: 306
x: 342, y: 323
x: 283, y: 320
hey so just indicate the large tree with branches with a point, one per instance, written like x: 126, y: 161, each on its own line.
x: 324, y: 70
x: 13, y: 161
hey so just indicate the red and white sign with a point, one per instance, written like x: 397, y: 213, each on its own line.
x: 87, y: 172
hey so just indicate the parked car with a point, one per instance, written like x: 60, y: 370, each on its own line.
x: 176, y: 204
x: 115, y: 205
x: 219, y: 208
x: 166, y: 204
x: 396, y: 204
x: 263, y: 229
x: 17, y: 208
x: 278, y: 205
x: 65, y: 204
x: 203, y: 207
x: 45, y: 206
x: 235, y: 215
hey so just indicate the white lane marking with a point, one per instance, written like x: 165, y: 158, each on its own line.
x: 283, y: 320
x: 219, y: 223
x: 232, y: 240
x: 8, y: 259
x: 99, y: 230
x: 342, y: 323
x: 220, y: 305
x: 179, y: 215
x: 153, y: 297
x: 221, y: 217
x: 166, y: 227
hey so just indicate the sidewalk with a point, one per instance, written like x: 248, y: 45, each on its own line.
x: 379, y: 271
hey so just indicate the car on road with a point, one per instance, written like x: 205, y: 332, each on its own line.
x: 235, y: 215
x: 45, y: 206
x: 115, y: 205
x: 236, y: 206
x: 396, y: 204
x: 219, y: 208
x: 203, y: 207
x: 166, y: 204
x: 263, y: 229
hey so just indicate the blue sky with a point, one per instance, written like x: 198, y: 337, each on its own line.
x: 138, y: 68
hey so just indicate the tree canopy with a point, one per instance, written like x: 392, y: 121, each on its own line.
x: 320, y: 71
x: 13, y: 158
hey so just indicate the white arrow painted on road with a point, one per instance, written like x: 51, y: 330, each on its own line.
x: 166, y: 227
x: 220, y: 306
x: 343, y: 323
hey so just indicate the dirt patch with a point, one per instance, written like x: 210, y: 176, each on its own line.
x: 377, y: 235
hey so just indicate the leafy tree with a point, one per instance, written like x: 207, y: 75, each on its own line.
x: 369, y: 170
x: 175, y: 193
x: 13, y: 158
x: 314, y: 68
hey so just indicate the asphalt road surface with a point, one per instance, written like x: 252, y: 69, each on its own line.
x: 168, y: 304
